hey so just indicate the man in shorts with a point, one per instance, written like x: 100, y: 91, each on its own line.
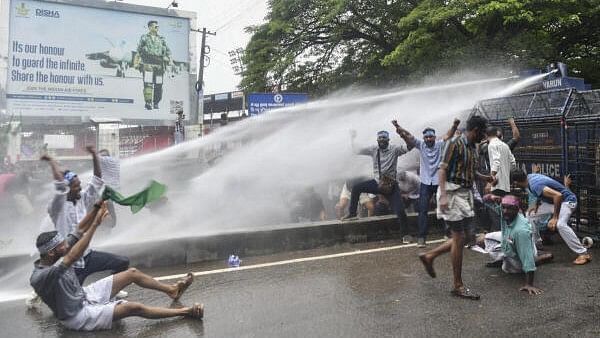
x: 93, y: 307
x: 457, y: 173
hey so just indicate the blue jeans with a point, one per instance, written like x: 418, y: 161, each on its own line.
x: 97, y: 261
x: 394, y: 198
x: 425, y: 194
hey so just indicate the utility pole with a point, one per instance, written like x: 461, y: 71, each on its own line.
x: 204, y: 50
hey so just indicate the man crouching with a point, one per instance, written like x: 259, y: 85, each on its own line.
x: 513, y: 246
x: 93, y: 307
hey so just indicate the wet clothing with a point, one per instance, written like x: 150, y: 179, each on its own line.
x: 65, y: 215
x: 58, y: 286
x: 537, y: 183
x: 459, y: 159
x: 460, y: 203
x: 98, y: 308
x: 388, y: 159
x: 517, y: 242
x: 430, y: 161
x: 410, y: 185
x: 501, y: 162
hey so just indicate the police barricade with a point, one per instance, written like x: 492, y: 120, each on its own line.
x: 583, y: 164
x: 560, y: 135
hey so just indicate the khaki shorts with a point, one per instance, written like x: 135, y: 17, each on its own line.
x: 460, y: 203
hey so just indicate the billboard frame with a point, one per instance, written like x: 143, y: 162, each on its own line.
x: 116, y: 6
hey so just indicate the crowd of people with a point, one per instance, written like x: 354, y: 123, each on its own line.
x: 66, y: 260
x: 476, y: 181
x: 469, y: 176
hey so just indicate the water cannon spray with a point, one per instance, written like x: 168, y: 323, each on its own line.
x: 558, y: 69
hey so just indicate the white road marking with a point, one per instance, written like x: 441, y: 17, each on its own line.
x: 297, y: 260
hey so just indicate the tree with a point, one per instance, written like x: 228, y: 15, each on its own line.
x: 321, y: 45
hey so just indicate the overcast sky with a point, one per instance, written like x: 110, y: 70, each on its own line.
x: 227, y: 18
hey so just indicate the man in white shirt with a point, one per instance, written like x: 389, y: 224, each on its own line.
x: 502, y: 161
x: 69, y: 206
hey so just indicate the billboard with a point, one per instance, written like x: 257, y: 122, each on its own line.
x: 69, y: 60
x: 261, y: 102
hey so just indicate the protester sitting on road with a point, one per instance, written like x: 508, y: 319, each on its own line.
x: 68, y: 207
x: 513, y: 246
x: 93, y: 307
x: 365, y: 200
x: 385, y: 162
x: 557, y: 200
x: 430, y: 150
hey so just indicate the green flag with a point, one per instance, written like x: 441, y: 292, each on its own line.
x: 137, y: 201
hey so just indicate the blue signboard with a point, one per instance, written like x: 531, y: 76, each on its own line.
x: 261, y: 102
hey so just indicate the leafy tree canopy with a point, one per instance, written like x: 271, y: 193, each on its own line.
x: 317, y: 46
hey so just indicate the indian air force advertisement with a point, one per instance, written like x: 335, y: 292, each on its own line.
x: 67, y: 60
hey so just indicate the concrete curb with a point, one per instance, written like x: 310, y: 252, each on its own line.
x: 252, y: 242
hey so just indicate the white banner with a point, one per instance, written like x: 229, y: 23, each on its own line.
x: 67, y: 60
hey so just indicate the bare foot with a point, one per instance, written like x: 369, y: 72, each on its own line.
x: 428, y: 264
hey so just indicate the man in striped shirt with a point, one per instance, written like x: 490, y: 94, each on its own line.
x: 457, y: 173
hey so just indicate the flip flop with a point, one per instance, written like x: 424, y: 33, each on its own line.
x: 183, y: 284
x: 197, y: 311
x: 428, y: 265
x: 465, y: 293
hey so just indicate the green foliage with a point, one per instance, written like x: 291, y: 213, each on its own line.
x: 318, y: 46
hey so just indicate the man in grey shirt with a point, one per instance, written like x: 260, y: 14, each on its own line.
x: 93, y: 307
x: 385, y: 161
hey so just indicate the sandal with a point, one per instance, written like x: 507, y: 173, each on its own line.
x: 197, y: 311
x: 183, y: 284
x: 428, y: 265
x: 466, y: 293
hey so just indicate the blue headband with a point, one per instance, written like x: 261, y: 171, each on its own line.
x: 383, y: 134
x: 69, y: 176
x: 429, y: 132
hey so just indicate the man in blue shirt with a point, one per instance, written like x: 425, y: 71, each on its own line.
x: 430, y: 149
x: 550, y: 192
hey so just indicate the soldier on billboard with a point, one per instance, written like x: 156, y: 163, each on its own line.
x: 153, y: 57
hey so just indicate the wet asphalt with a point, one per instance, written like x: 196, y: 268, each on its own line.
x: 381, y: 294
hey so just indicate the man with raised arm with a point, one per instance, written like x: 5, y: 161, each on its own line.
x: 93, y: 307
x: 385, y: 163
x: 69, y: 206
x: 430, y: 149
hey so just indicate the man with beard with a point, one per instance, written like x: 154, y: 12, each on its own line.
x: 430, y: 150
x: 385, y: 162
x: 69, y: 206
x: 93, y: 307
x: 517, y: 252
x: 457, y: 173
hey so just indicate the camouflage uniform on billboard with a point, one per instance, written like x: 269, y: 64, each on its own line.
x: 153, y: 56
